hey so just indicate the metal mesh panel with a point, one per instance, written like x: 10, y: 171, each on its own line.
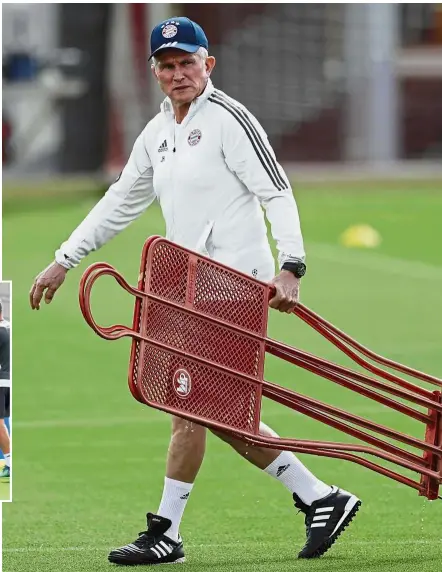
x: 134, y: 373
x: 202, y: 338
x: 168, y: 274
x: 215, y: 395
x: 172, y: 274
x: 229, y: 296
x: 219, y: 292
x: 137, y: 345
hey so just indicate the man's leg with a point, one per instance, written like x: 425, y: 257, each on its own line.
x: 185, y: 456
x: 282, y: 465
x: 161, y: 542
x: 328, y: 510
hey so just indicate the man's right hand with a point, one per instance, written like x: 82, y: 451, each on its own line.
x: 50, y: 280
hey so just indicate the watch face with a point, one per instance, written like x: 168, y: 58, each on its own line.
x: 297, y: 268
x: 300, y: 270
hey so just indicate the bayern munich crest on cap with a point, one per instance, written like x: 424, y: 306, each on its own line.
x: 169, y: 31
x: 178, y: 33
x: 194, y: 137
x: 182, y: 383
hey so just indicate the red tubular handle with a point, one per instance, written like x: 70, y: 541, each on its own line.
x: 353, y: 380
x: 88, y: 279
x: 347, y: 457
x: 342, y: 340
x: 337, y: 337
x: 321, y: 414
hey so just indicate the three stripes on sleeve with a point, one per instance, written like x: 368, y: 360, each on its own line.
x: 260, y: 147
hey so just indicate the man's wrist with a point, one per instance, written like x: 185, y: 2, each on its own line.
x: 62, y: 260
x: 62, y: 266
x: 296, y: 267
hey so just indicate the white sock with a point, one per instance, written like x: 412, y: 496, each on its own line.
x: 173, y: 503
x: 297, y: 478
x: 8, y: 459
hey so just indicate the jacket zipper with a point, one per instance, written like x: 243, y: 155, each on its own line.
x: 174, y: 154
x: 172, y: 173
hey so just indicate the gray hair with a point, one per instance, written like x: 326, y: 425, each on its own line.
x: 201, y: 52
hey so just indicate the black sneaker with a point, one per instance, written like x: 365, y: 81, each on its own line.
x: 325, y: 519
x: 151, y: 546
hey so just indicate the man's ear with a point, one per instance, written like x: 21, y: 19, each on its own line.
x: 154, y: 72
x: 210, y: 64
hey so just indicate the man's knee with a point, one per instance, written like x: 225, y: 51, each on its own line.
x: 185, y: 430
x: 227, y: 437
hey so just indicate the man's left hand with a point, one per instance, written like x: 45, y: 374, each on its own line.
x: 286, y: 291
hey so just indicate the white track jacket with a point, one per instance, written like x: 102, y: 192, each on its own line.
x: 210, y: 174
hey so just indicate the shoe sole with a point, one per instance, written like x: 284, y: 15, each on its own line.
x: 178, y: 561
x: 351, y: 508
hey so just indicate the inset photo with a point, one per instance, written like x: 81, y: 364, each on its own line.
x: 5, y: 391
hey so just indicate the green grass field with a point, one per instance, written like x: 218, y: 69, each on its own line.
x: 89, y: 460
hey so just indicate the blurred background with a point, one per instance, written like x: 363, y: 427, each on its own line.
x: 331, y: 83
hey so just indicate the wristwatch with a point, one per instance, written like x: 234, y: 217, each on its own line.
x: 296, y: 267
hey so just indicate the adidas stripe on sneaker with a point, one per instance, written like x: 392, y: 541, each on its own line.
x: 152, y: 546
x: 325, y: 520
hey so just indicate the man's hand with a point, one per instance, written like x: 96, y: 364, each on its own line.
x: 50, y: 280
x: 286, y: 291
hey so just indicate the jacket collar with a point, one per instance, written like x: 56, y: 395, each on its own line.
x: 166, y: 106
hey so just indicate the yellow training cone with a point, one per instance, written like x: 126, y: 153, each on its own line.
x: 360, y: 236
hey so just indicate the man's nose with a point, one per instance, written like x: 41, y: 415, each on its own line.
x: 178, y: 74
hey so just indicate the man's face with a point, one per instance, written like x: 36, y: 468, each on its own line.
x: 182, y: 76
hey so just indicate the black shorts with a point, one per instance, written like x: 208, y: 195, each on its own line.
x: 5, y: 396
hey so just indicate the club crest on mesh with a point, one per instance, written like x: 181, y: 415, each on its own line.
x: 182, y: 383
x: 194, y: 137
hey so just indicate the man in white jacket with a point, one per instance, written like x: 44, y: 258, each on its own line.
x: 208, y: 162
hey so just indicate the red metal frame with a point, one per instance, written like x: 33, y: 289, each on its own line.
x: 428, y: 465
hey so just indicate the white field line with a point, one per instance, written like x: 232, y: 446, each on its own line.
x: 165, y: 418
x: 89, y: 422
x: 375, y: 262
x: 240, y: 545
